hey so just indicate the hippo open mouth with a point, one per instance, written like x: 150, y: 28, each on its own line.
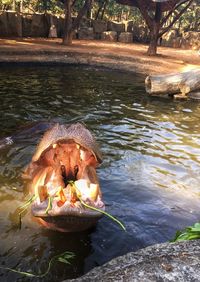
x: 62, y: 177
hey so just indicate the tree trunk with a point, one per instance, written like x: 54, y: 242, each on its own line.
x: 183, y: 83
x: 104, y: 8
x: 13, y: 5
x: 152, y: 50
x: 68, y: 32
x: 21, y: 6
x: 154, y: 31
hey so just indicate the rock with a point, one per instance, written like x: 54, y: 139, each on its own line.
x: 109, y: 36
x: 99, y: 26
x: 86, y: 33
x: 126, y: 37
x: 39, y: 26
x: 26, y: 25
x: 115, y: 26
x: 10, y: 24
x: 85, y: 23
x: 162, y: 262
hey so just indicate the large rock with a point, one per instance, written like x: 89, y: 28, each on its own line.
x: 163, y: 262
x: 86, y: 33
x: 99, y: 26
x: 126, y: 37
x: 10, y: 24
x: 115, y: 26
x: 39, y: 26
x: 85, y: 23
x: 26, y: 25
x: 109, y: 36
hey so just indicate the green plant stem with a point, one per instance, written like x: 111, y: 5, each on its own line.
x: 66, y: 255
x: 24, y: 207
x: 103, y: 212
x: 96, y: 209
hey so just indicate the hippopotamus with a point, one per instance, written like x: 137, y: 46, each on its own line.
x: 63, y: 181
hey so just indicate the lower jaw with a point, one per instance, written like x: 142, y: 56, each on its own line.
x: 68, y: 223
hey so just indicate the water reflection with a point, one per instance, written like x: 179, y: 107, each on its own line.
x: 150, y: 175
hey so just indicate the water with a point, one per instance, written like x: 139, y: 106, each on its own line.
x: 149, y: 178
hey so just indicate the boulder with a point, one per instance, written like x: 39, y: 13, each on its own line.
x: 39, y: 26
x: 162, y: 262
x: 26, y: 25
x: 10, y: 24
x: 86, y: 33
x: 126, y: 37
x: 85, y: 23
x: 99, y: 26
x: 3, y: 24
x: 115, y: 26
x: 109, y: 36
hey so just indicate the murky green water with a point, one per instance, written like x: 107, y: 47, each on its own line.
x: 150, y: 177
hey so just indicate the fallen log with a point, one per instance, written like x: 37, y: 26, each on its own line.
x: 178, y: 83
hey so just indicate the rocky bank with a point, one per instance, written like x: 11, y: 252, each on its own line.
x: 163, y: 262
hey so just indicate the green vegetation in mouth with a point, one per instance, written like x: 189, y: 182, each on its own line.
x: 49, y: 207
x: 63, y: 257
x: 189, y: 233
x: 78, y: 194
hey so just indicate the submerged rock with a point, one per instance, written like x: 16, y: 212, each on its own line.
x: 162, y: 262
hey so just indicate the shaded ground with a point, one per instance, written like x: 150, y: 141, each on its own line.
x: 131, y: 57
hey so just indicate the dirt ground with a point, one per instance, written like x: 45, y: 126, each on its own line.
x: 131, y: 57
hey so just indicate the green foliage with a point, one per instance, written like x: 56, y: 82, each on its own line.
x: 189, y: 233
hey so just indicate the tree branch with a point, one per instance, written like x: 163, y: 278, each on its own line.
x: 143, y: 11
x: 73, y: 3
x: 172, y: 11
x: 81, y: 13
x: 176, y: 18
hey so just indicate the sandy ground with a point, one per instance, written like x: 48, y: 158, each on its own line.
x: 131, y: 57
